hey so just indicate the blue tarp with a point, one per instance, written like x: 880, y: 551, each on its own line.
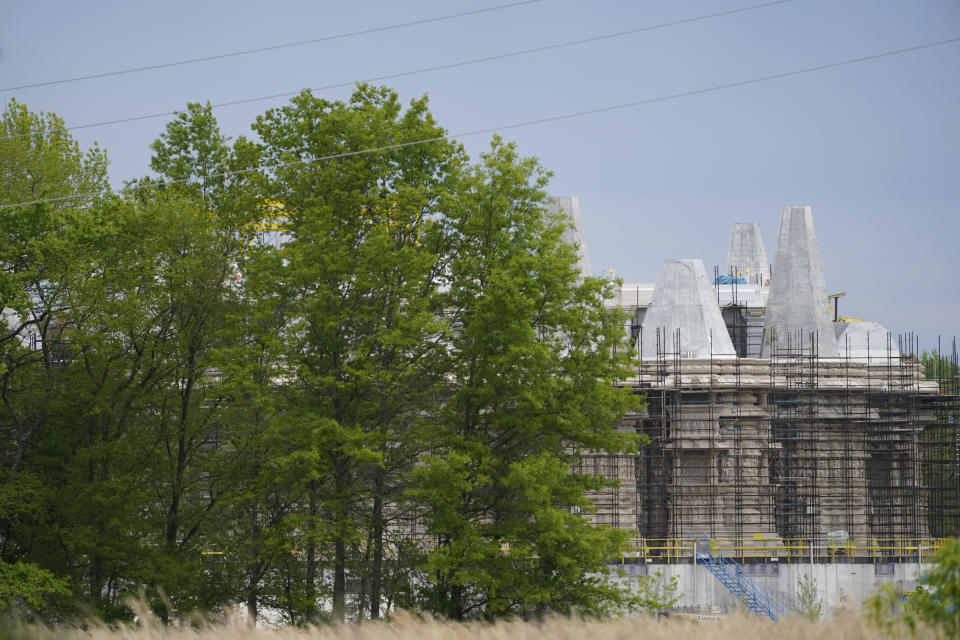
x: 730, y: 279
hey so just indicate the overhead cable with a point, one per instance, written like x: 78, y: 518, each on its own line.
x: 440, y: 67
x: 526, y: 123
x: 285, y: 45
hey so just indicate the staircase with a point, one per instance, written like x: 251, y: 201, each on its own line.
x: 729, y: 572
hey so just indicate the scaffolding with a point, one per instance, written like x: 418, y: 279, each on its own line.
x: 793, y: 427
x: 841, y: 456
x: 940, y: 445
x: 654, y: 475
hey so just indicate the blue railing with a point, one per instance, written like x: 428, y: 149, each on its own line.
x: 730, y: 573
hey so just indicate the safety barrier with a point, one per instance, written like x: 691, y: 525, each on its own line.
x: 674, y: 550
x: 683, y: 550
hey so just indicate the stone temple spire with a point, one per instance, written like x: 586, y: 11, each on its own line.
x: 684, y: 300
x: 570, y: 206
x: 747, y: 256
x: 797, y: 306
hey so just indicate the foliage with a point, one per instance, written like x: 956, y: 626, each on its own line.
x: 207, y: 417
x: 933, y: 603
x: 938, y: 366
x: 937, y: 598
x: 890, y: 609
x: 38, y: 160
x: 359, y: 281
x: 656, y: 593
x: 192, y: 151
x: 530, y: 388
x: 808, y: 605
x: 27, y: 586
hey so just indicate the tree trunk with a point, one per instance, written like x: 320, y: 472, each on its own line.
x: 96, y: 559
x: 340, y: 471
x: 376, y: 578
x: 252, y: 606
x: 254, y: 567
x: 364, y: 579
x: 339, y: 578
x: 173, y: 515
x: 456, y: 602
x: 311, y: 571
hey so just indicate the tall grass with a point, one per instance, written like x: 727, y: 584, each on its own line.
x: 845, y: 626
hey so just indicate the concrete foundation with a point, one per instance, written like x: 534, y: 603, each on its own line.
x: 838, y: 585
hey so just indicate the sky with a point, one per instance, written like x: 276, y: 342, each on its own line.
x: 873, y: 147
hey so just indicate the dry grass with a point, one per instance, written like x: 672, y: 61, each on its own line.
x: 846, y: 626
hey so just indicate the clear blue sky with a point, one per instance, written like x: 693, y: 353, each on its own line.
x: 873, y: 147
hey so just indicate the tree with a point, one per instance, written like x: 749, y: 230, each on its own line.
x: 132, y: 445
x: 42, y: 164
x: 26, y: 586
x: 656, y: 593
x: 39, y: 160
x: 937, y: 598
x: 202, y: 238
x: 933, y: 603
x: 212, y: 418
x: 193, y: 152
x: 808, y: 605
x: 360, y: 349
x: 145, y: 314
x: 531, y: 364
x: 889, y: 610
x: 234, y: 329
x: 938, y: 366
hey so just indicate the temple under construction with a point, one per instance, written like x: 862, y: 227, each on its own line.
x: 773, y: 424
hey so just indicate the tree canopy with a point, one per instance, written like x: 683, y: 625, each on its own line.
x: 296, y: 373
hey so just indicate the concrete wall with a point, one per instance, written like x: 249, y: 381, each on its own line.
x: 698, y: 587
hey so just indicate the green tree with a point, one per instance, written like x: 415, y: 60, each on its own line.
x: 656, y: 593
x: 39, y: 254
x: 193, y: 152
x: 26, y: 586
x: 217, y: 418
x: 937, y: 598
x: 145, y: 316
x: 358, y: 277
x: 939, y: 366
x: 933, y: 603
x: 890, y: 610
x: 531, y: 365
x: 200, y: 241
x: 38, y: 160
x: 808, y: 604
x: 130, y: 457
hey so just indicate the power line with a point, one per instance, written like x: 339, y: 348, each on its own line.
x: 527, y: 123
x: 440, y: 67
x: 285, y: 45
